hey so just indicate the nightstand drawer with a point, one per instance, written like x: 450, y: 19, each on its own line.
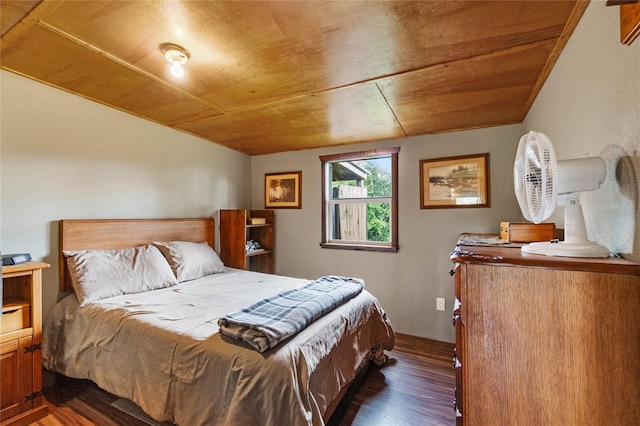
x: 16, y: 314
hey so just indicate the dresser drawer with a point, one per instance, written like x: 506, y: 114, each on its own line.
x: 16, y: 314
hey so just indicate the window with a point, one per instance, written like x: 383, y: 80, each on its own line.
x: 360, y: 200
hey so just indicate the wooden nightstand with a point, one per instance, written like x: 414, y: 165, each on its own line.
x: 20, y: 344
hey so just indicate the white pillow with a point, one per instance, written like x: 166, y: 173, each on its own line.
x: 190, y: 261
x: 98, y: 274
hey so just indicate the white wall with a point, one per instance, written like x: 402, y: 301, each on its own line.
x: 64, y: 157
x: 408, y: 282
x: 591, y: 104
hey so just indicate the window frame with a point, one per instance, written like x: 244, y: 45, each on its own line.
x: 325, y: 242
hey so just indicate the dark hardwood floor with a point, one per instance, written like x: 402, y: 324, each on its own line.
x: 416, y: 387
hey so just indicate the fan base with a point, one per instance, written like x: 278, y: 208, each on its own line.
x: 565, y: 249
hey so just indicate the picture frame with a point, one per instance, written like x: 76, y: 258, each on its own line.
x: 283, y: 190
x: 455, y: 182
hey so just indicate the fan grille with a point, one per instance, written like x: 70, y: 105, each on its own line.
x: 535, y: 176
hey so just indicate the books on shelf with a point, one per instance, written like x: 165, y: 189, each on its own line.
x: 257, y: 220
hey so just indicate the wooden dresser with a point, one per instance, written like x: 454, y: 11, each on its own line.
x: 545, y: 340
x: 21, y: 400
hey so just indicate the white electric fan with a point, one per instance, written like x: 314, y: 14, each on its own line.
x: 540, y: 182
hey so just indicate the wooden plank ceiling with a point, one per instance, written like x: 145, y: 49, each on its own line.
x: 273, y: 76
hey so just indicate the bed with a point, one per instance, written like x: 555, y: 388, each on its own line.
x: 161, y: 346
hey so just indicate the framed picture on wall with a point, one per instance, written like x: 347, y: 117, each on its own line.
x: 455, y: 182
x: 283, y: 190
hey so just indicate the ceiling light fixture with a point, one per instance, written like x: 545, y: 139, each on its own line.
x: 177, y: 56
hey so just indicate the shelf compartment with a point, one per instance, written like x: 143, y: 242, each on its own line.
x: 235, y: 231
x: 16, y: 314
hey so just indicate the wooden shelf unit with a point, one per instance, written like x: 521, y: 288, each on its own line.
x: 545, y: 340
x: 235, y: 231
x: 20, y: 344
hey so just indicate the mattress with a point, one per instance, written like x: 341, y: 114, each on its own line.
x: 162, y: 349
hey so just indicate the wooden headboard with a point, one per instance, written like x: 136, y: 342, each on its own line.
x: 95, y: 234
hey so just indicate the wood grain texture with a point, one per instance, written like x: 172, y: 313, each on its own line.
x: 515, y: 257
x: 13, y: 11
x: 629, y: 22
x: 548, y: 343
x: 234, y: 234
x: 21, y: 400
x: 273, y: 76
x: 94, y: 234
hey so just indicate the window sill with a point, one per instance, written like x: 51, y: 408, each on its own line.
x: 386, y: 249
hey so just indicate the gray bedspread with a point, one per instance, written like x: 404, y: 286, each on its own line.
x: 162, y: 349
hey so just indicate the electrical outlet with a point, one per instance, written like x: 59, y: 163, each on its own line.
x: 440, y: 304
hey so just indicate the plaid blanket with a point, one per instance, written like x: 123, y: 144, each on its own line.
x: 270, y: 321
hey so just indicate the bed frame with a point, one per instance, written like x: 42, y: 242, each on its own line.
x: 95, y: 234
